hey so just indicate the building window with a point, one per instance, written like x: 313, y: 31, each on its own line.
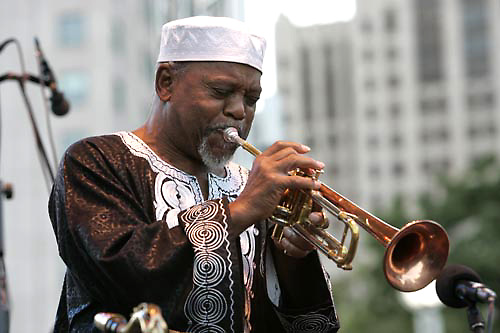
x: 373, y: 142
x: 75, y: 84
x: 434, y: 135
x: 333, y: 171
x: 329, y: 81
x: 485, y: 131
x: 374, y: 171
x: 119, y: 95
x: 368, y: 55
x: 393, y: 81
x: 118, y: 34
x: 395, y: 110
x: 396, y: 140
x: 332, y: 139
x: 429, y: 43
x: 371, y: 113
x: 392, y: 54
x: 376, y: 202
x: 370, y: 84
x: 476, y: 42
x: 436, y: 166
x: 71, y: 29
x: 216, y: 8
x: 147, y: 11
x: 148, y: 66
x: 306, y: 81
x: 437, y: 105
x: 398, y: 169
x: 311, y: 142
x: 426, y: 167
x: 283, y: 62
x: 366, y: 26
x: 389, y: 21
x: 484, y: 101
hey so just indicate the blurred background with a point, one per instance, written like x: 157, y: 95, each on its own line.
x: 399, y: 98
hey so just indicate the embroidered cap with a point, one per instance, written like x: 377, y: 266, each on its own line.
x: 206, y: 38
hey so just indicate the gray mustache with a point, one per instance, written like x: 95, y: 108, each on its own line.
x: 221, y: 127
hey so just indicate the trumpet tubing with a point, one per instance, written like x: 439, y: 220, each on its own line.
x: 414, y: 256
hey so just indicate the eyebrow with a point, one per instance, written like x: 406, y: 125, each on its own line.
x: 229, y: 83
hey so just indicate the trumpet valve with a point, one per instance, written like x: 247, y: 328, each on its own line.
x: 281, y: 216
x: 277, y: 232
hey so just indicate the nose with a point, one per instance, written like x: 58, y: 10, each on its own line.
x: 235, y: 107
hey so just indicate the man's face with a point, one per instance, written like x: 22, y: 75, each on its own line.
x: 206, y: 98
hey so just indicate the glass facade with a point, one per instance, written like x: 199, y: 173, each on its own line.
x: 429, y: 42
x: 71, y: 29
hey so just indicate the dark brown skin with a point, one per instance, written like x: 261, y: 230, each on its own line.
x: 205, y: 95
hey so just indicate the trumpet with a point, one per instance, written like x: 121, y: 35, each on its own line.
x: 414, y: 255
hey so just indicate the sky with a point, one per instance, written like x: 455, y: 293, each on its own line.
x: 263, y: 14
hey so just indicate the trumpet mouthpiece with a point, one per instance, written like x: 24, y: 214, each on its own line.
x: 231, y: 135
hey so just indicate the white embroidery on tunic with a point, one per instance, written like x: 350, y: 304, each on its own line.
x: 247, y: 238
x: 176, y: 191
x: 322, y: 320
x: 171, y: 197
x: 205, y: 304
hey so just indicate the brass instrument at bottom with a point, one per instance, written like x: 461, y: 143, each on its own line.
x: 146, y: 318
x: 414, y: 256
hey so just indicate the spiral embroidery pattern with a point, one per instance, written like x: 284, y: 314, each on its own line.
x: 208, y: 269
x: 206, y: 305
x: 326, y: 321
x: 206, y: 235
x: 207, y: 211
x: 312, y: 323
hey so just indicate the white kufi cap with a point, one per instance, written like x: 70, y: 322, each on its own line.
x: 205, y: 38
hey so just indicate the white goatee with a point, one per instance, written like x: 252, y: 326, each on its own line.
x: 212, y: 162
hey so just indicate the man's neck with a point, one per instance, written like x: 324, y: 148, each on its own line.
x: 156, y: 135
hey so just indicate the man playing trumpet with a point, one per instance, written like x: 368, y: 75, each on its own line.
x: 160, y: 215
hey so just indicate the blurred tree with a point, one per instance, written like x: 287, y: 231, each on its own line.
x: 468, y: 207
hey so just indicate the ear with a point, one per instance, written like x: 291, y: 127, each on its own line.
x: 163, y: 81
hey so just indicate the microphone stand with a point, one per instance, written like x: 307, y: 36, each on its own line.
x: 21, y: 79
x: 475, y: 319
x: 5, y: 190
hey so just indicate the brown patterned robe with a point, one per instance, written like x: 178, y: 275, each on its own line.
x: 131, y: 228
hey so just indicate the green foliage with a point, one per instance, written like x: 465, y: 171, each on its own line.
x: 470, y: 212
x: 468, y: 207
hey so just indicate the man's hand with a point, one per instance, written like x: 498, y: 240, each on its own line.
x: 295, y: 245
x: 268, y: 179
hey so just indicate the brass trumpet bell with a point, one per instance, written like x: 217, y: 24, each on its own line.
x: 416, y: 255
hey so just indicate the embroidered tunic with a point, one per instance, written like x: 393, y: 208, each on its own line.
x: 132, y: 228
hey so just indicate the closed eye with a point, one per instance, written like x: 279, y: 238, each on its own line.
x: 221, y: 92
x: 251, y: 100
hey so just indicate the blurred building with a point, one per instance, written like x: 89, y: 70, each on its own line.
x: 407, y: 90
x: 103, y: 54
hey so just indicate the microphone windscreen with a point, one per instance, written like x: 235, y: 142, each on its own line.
x: 447, y: 281
x: 60, y: 106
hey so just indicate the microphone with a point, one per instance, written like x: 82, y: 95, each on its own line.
x: 60, y: 105
x: 458, y: 286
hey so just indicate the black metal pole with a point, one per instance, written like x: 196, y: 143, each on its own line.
x: 5, y: 190
x: 475, y: 319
